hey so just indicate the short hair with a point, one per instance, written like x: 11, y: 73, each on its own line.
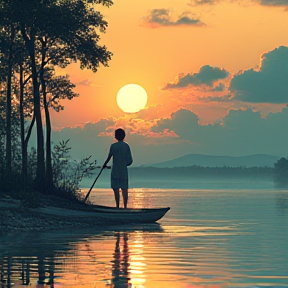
x: 120, y: 134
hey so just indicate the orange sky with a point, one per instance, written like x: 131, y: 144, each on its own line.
x: 191, y: 57
x: 235, y: 36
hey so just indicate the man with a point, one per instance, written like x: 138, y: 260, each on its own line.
x: 122, y: 157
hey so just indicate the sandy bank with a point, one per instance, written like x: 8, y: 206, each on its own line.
x: 15, y: 217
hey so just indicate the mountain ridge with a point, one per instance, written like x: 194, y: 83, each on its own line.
x: 260, y: 160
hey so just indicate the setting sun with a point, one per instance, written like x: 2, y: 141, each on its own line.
x: 131, y: 98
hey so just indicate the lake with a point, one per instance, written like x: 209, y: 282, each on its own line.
x: 209, y: 238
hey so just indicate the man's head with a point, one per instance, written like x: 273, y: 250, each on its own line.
x: 120, y: 134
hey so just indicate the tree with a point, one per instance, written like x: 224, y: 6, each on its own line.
x: 25, y: 111
x: 62, y: 46
x: 59, y: 33
x: 7, y: 38
x: 56, y: 88
x: 281, y: 172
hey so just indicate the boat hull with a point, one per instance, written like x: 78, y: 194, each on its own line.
x: 134, y: 215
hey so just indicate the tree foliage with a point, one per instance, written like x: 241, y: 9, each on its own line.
x: 281, y: 172
x: 36, y: 36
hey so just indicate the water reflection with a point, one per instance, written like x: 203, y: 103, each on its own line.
x: 120, y: 277
x: 63, y: 260
x: 17, y: 271
x: 282, y: 202
x: 211, y: 239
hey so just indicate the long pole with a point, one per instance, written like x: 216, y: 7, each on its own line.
x: 93, y: 185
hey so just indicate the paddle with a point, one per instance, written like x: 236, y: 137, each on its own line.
x: 95, y: 182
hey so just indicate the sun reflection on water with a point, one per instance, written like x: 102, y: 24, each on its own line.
x: 137, y: 262
x: 232, y: 240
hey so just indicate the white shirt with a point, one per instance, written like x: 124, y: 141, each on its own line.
x: 122, y: 157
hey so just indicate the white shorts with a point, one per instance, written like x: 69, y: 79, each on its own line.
x: 117, y: 183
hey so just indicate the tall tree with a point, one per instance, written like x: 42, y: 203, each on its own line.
x: 7, y: 38
x: 54, y: 89
x: 62, y: 46
x: 25, y: 111
x: 66, y: 31
x: 16, y: 13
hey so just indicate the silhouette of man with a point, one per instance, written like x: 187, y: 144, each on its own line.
x: 122, y: 157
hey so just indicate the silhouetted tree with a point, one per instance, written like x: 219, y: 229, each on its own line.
x: 7, y: 40
x: 58, y: 33
x: 281, y: 172
x: 56, y: 88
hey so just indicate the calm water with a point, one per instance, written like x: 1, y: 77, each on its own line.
x: 209, y: 238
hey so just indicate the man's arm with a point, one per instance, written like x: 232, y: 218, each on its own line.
x: 129, y: 159
x: 107, y: 160
x: 110, y: 154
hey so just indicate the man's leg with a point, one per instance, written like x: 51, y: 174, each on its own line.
x: 125, y: 197
x: 116, y: 194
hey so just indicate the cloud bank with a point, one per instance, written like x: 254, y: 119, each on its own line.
x: 268, y: 84
x: 162, y: 18
x: 206, y: 76
x: 241, y: 132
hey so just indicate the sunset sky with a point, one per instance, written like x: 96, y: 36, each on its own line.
x: 216, y: 75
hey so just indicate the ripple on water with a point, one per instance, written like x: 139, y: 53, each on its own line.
x: 208, y: 239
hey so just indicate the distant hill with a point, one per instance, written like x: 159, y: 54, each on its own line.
x: 259, y: 160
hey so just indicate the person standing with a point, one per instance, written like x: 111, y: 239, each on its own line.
x: 122, y: 157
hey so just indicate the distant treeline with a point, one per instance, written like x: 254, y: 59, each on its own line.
x: 203, y: 172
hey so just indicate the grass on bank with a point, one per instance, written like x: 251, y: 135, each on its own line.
x: 67, y: 175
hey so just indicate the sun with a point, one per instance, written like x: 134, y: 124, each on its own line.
x: 131, y: 98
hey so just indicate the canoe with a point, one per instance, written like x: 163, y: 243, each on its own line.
x: 129, y: 215
x: 108, y: 214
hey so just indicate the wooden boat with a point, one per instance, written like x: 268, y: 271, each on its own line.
x: 121, y: 215
x: 129, y: 215
x: 108, y: 214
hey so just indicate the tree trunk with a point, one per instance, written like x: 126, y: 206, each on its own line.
x: 49, y: 172
x: 22, y: 127
x: 40, y: 173
x: 8, y: 112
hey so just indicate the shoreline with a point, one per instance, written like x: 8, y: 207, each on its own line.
x: 14, y: 217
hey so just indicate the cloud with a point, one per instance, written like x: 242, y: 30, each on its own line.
x: 225, y: 98
x: 84, y: 82
x: 268, y: 84
x: 207, y: 76
x: 274, y: 2
x: 162, y: 18
x: 219, y: 88
x: 182, y: 116
x: 94, y: 139
x: 241, y: 132
x: 203, y: 2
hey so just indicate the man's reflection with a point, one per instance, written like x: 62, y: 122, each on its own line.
x: 120, y: 265
x: 42, y: 281
x: 25, y: 273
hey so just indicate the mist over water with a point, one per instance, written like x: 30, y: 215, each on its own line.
x: 176, y: 180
